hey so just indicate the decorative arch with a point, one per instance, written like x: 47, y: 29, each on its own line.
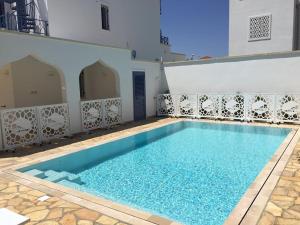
x: 30, y: 81
x: 99, y: 81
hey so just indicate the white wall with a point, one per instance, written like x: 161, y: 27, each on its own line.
x: 134, y: 24
x: 278, y: 73
x: 100, y: 82
x: 282, y: 32
x: 34, y: 83
x: 69, y: 58
x: 6, y: 88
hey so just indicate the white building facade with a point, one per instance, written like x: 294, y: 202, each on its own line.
x: 263, y: 26
x: 130, y: 24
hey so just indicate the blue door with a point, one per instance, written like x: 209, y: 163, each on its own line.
x: 139, y: 96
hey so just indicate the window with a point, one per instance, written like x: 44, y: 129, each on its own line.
x: 105, y: 17
x: 260, y: 27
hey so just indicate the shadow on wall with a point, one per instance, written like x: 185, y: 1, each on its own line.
x: 30, y: 82
x: 98, y: 81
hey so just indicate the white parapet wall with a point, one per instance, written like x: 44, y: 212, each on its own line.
x: 276, y: 73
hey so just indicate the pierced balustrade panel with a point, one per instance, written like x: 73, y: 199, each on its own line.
x: 260, y: 107
x: 208, y: 105
x: 54, y: 121
x: 112, y: 111
x: 92, y: 115
x: 288, y: 108
x: 187, y: 105
x: 233, y: 106
x: 165, y: 105
x: 19, y: 127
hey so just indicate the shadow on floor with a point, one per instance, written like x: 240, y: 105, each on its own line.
x: 32, y: 149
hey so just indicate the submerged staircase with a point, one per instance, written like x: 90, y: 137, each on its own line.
x: 56, y: 176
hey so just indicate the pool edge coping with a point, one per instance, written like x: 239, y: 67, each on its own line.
x: 139, y: 217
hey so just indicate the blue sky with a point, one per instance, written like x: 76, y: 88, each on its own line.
x: 197, y: 27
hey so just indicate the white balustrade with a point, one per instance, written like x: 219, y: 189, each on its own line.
x: 112, y: 111
x: 187, y: 105
x: 244, y: 106
x: 260, y: 107
x: 288, y: 108
x: 19, y: 127
x: 208, y: 105
x: 166, y: 105
x: 54, y: 121
x: 92, y: 115
x: 232, y: 106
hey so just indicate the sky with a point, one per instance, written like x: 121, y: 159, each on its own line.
x: 198, y: 27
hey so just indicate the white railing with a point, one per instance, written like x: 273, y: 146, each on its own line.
x: 91, y: 115
x: 32, y: 125
x: 54, y: 121
x: 245, y: 107
x: 19, y: 127
x: 102, y: 113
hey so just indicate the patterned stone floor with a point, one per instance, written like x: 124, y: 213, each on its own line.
x: 283, y: 207
x: 54, y: 211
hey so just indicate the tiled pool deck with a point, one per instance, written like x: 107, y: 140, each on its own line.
x: 20, y: 192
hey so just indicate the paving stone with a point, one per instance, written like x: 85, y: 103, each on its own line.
x: 86, y: 214
x: 293, y: 194
x: 3, y: 186
x: 55, y: 213
x: 284, y: 183
x: 10, y: 190
x: 105, y: 220
x: 38, y: 215
x: 15, y: 201
x: 49, y: 222
x: 273, y: 209
x: 267, y: 219
x: 280, y: 191
x: 283, y: 221
x: 85, y: 222
x: 296, y: 208
x: 34, y: 208
x: 36, y: 193
x: 68, y: 219
x: 24, y: 189
x: 294, y: 213
x: 282, y: 198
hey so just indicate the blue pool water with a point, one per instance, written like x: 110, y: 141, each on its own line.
x: 194, y: 173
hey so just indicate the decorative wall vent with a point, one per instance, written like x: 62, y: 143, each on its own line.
x: 260, y: 27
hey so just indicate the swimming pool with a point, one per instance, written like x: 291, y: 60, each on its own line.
x: 191, y: 172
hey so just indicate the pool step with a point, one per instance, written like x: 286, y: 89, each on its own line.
x: 36, y: 173
x: 55, y: 176
x: 68, y: 183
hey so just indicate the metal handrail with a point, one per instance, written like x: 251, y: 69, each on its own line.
x: 10, y: 22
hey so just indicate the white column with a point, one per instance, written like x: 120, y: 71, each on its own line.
x: 73, y: 100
